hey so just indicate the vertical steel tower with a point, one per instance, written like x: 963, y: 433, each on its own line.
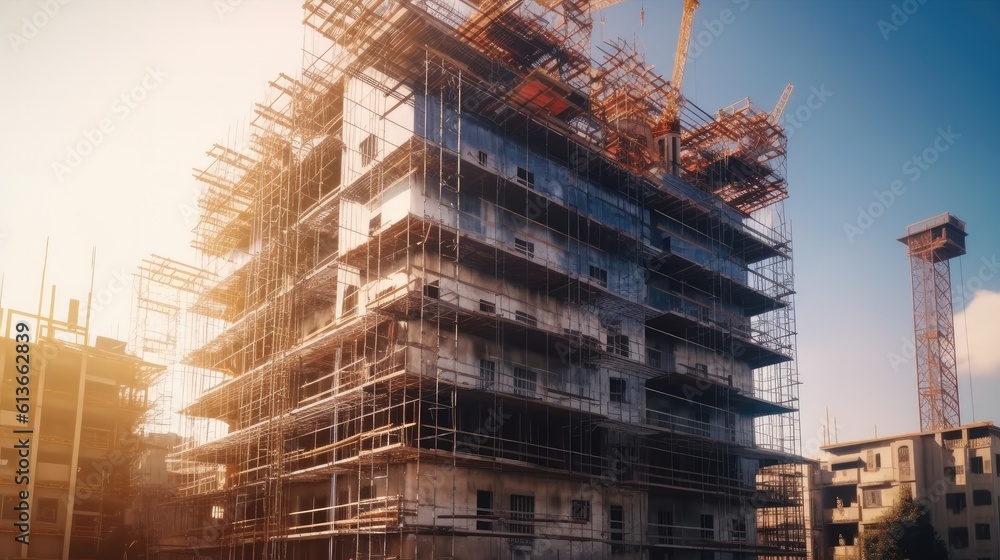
x: 931, y: 244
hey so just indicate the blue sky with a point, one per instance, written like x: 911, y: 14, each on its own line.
x: 888, y: 92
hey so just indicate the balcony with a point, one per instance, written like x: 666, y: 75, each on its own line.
x: 980, y: 442
x: 686, y: 536
x: 954, y: 443
x: 837, y: 478
x: 847, y: 514
x: 683, y: 425
x: 846, y: 553
x: 876, y: 477
x: 371, y: 514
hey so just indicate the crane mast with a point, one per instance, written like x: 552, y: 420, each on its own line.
x: 683, y: 41
x: 667, y: 136
x: 779, y: 108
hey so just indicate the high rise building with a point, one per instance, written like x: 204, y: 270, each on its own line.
x: 453, y: 305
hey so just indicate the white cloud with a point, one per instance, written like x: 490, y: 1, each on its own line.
x: 983, y: 351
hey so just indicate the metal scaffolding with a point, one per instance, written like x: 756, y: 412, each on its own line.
x: 450, y: 306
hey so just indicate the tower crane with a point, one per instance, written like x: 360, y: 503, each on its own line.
x: 779, y: 108
x: 596, y: 5
x: 668, y: 134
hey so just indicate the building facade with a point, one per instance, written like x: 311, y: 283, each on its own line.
x: 456, y: 309
x: 952, y: 472
x: 81, y: 404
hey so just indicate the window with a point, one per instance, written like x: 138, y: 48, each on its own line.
x: 958, y: 537
x: 618, y: 344
x: 487, y: 306
x: 997, y: 463
x: 739, y: 530
x: 653, y: 358
x: 599, y: 274
x: 487, y: 374
x: 9, y: 502
x: 949, y: 474
x: 350, y: 300
x: 702, y: 414
x: 955, y: 502
x: 522, y: 317
x: 522, y: 508
x: 707, y: 526
x: 872, y: 498
x: 616, y: 515
x: 484, y: 508
x: 976, y: 465
x: 581, y: 510
x: 878, y: 460
x: 366, y: 492
x: 982, y: 498
x: 218, y: 512
x: 665, y: 526
x: 484, y: 158
x: 374, y: 224
x: 432, y: 290
x: 618, y: 388
x: 48, y: 508
x: 526, y: 248
x: 368, y: 149
x: 870, y: 461
x: 982, y: 531
x: 904, y: 462
x: 321, y: 510
x: 525, y: 382
x: 616, y: 522
x: 525, y: 177
x: 472, y: 209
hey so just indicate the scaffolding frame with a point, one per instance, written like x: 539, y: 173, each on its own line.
x: 330, y: 342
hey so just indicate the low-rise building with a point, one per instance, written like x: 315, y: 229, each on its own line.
x: 953, y: 472
x: 67, y: 413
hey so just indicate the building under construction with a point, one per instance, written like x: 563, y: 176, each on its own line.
x: 468, y: 293
x: 68, y: 452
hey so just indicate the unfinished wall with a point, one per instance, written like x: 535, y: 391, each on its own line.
x: 469, y: 322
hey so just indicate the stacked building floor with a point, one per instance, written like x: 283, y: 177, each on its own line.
x: 457, y: 301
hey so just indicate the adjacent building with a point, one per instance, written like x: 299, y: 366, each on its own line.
x: 83, y: 402
x: 952, y: 471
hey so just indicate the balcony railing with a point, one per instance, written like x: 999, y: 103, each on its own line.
x: 954, y: 443
x: 846, y: 553
x: 877, y: 476
x: 687, y: 536
x: 355, y: 374
x: 685, y: 425
x: 980, y: 442
x: 849, y: 476
x: 762, y: 330
x: 846, y: 514
x: 367, y: 513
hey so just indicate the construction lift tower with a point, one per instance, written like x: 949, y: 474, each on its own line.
x: 931, y: 244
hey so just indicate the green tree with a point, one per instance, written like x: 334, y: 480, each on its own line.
x: 903, y: 533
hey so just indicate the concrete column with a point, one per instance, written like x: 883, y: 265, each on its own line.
x: 75, y: 459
